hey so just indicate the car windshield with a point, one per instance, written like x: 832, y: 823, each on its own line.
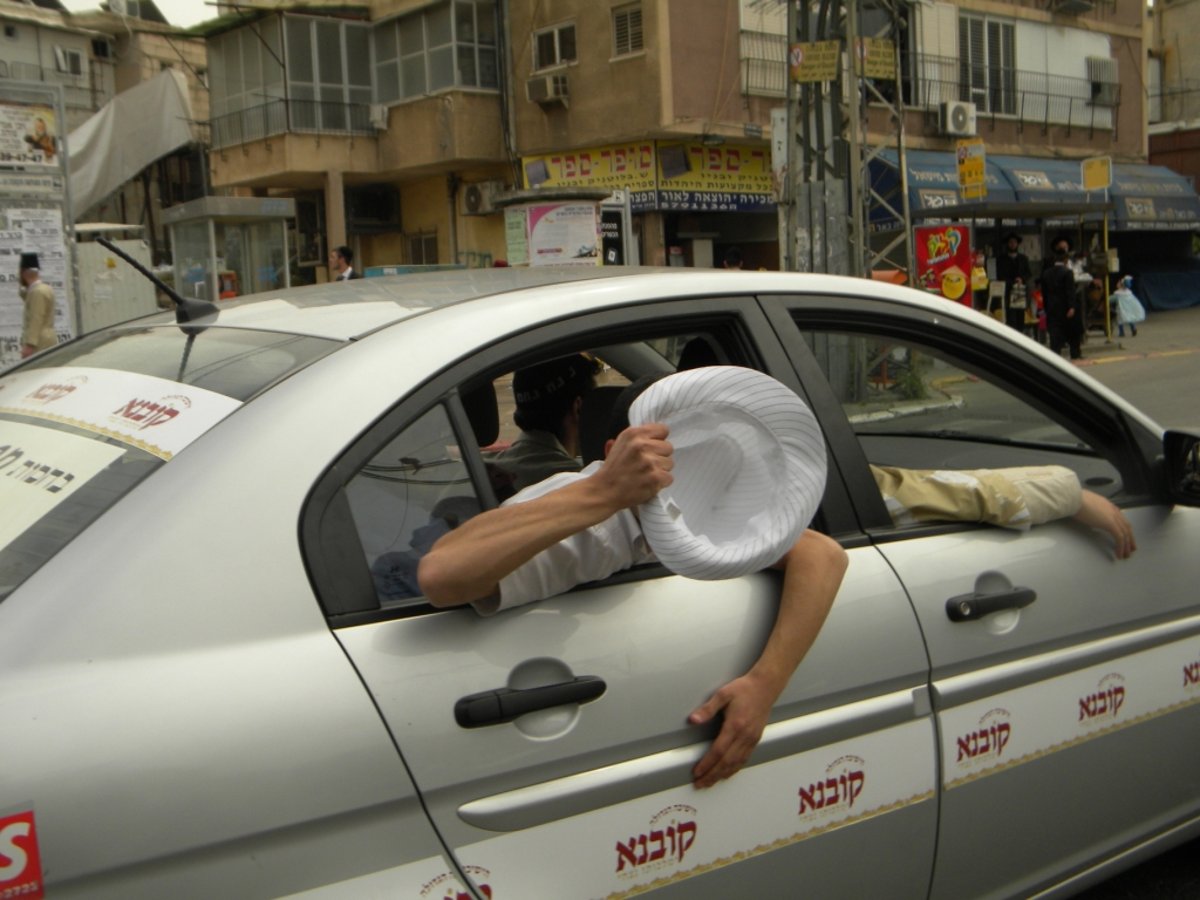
x: 82, y: 425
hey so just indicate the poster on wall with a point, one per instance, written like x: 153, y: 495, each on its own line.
x: 28, y: 134
x: 944, y: 260
x: 563, y: 234
x: 40, y: 231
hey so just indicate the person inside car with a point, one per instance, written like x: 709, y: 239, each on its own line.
x: 580, y: 526
x: 549, y: 397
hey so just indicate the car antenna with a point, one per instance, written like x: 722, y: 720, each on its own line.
x: 186, y: 310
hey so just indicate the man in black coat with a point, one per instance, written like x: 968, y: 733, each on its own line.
x: 1064, y: 307
x: 1012, y: 267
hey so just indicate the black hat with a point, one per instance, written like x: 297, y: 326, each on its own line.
x: 1062, y: 238
x: 567, y: 376
x: 29, y: 261
x: 1012, y: 236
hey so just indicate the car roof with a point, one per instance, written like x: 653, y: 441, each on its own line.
x: 350, y: 310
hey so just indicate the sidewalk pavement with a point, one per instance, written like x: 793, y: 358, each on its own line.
x: 1167, y: 333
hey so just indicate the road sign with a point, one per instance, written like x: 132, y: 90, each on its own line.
x: 1096, y: 173
x: 972, y: 169
x: 814, y: 61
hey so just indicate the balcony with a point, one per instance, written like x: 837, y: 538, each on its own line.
x: 1020, y: 94
x: 290, y: 117
x: 78, y: 91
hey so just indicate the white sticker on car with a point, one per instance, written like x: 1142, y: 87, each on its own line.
x: 1029, y: 722
x: 39, y: 469
x: 154, y: 414
x: 624, y: 849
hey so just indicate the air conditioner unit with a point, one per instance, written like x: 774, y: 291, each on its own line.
x: 547, y: 90
x: 479, y: 199
x: 957, y: 117
x: 378, y: 115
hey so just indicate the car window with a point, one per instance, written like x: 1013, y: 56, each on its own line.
x: 438, y: 470
x: 410, y: 493
x: 916, y: 407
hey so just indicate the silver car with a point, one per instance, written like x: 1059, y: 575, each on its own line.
x: 218, y: 676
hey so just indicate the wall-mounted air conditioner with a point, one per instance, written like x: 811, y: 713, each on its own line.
x: 548, y: 90
x: 378, y: 114
x: 479, y: 199
x: 957, y: 118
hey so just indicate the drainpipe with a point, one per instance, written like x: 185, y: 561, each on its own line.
x: 452, y: 183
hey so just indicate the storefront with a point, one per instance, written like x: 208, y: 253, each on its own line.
x: 1146, y: 218
x: 691, y: 201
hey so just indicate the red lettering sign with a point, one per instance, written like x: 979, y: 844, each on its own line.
x: 20, y: 862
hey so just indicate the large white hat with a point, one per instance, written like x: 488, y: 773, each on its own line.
x: 749, y: 471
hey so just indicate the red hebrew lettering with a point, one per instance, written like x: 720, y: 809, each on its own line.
x: 963, y: 749
x: 626, y: 853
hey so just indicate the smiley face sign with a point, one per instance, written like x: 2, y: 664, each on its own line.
x: 944, y: 260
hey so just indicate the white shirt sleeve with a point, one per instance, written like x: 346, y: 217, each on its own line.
x: 589, y: 555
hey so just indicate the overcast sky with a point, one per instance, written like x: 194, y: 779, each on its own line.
x: 178, y: 12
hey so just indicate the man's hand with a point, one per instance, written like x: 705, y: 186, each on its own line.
x: 1099, y: 512
x: 637, y: 465
x: 745, y: 704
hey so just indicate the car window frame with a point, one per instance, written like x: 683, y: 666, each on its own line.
x: 327, y: 533
x: 1105, y: 428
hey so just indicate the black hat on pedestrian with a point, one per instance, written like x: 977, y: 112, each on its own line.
x: 29, y: 261
x: 1012, y: 236
x: 1062, y: 239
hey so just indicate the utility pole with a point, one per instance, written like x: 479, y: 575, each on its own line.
x: 829, y: 198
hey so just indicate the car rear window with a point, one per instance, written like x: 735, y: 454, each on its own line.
x: 84, y: 424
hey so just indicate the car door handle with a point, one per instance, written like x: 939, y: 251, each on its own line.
x: 968, y: 607
x: 505, y: 704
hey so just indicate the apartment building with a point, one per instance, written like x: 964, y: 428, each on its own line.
x: 1173, y: 79
x: 400, y: 126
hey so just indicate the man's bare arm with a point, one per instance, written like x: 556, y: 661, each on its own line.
x: 468, y: 563
x: 813, y: 571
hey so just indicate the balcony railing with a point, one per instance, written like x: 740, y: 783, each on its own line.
x: 290, y: 116
x: 929, y: 81
x: 77, y: 89
x: 1025, y: 95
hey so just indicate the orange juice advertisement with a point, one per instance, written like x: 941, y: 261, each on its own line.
x: 944, y: 260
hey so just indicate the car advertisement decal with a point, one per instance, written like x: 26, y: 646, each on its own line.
x: 1032, y: 721
x: 20, y: 860
x: 628, y: 848
x: 39, y: 469
x: 425, y: 879
x: 154, y: 414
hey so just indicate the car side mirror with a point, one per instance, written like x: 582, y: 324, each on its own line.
x: 1181, y: 456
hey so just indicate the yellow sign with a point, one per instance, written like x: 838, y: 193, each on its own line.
x: 1097, y: 173
x: 626, y: 166
x: 876, y: 58
x: 814, y: 61
x: 972, y: 169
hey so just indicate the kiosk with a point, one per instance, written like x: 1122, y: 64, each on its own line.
x: 228, y: 246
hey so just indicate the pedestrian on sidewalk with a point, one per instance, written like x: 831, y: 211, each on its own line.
x: 1064, y: 307
x: 1129, y: 309
x: 1012, y: 267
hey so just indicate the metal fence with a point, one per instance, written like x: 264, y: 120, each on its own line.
x: 929, y: 81
x: 290, y: 116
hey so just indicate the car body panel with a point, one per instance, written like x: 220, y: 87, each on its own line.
x: 193, y: 715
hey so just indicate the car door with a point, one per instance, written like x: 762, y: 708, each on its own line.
x: 1060, y: 675
x: 588, y: 793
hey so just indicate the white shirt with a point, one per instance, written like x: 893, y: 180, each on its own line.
x: 610, y: 546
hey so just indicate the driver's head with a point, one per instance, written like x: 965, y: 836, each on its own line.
x: 549, y: 394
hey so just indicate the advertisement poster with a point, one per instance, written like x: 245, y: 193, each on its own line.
x: 628, y: 167
x: 564, y: 234
x: 944, y: 260
x: 724, y: 178
x: 40, y: 231
x: 28, y: 133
